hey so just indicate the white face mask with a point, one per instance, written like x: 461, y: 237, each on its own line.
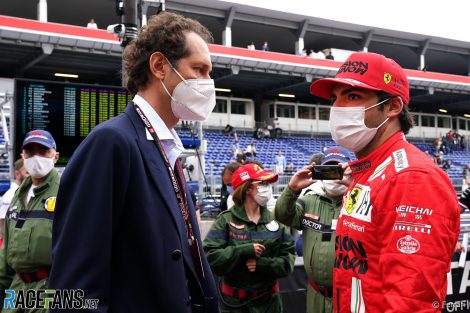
x: 334, y: 189
x: 192, y: 99
x: 348, y: 128
x: 38, y: 166
x: 264, y: 194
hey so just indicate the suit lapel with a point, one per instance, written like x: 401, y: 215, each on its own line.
x: 161, y: 178
x: 157, y: 170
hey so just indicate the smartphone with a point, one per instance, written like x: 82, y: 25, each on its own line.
x: 327, y: 172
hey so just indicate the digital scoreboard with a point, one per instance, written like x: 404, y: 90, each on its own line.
x: 68, y: 111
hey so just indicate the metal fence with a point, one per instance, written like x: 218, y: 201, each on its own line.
x: 214, y: 183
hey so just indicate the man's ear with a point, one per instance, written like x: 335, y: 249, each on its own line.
x: 395, y: 106
x: 157, y: 62
x: 56, y: 157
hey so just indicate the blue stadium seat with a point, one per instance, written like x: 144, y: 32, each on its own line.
x: 297, y: 150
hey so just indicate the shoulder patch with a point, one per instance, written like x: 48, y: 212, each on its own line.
x: 380, y: 169
x: 312, y: 216
x: 272, y: 226
x: 401, y: 160
x: 237, y: 226
x: 49, y: 205
x: 12, y: 213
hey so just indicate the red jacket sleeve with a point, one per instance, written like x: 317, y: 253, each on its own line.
x: 419, y: 223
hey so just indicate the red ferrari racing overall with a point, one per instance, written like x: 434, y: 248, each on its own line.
x: 396, y: 234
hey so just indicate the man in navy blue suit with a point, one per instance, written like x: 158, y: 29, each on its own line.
x: 124, y: 230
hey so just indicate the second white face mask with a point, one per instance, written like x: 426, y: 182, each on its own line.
x: 38, y: 166
x: 348, y: 128
x: 264, y: 194
x: 334, y: 189
x: 192, y: 99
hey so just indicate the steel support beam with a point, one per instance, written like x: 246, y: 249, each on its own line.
x: 46, y: 51
x: 422, y: 53
x: 300, y: 44
x: 367, y: 39
x: 227, y: 33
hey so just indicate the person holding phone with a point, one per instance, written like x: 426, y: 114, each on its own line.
x: 399, y: 222
x: 316, y: 214
x: 247, y: 248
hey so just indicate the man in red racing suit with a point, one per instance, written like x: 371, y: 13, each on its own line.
x: 396, y: 234
x: 399, y: 221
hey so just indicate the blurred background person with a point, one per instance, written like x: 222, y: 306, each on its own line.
x: 91, y: 24
x: 19, y: 173
x: 265, y: 46
x: 315, y: 214
x: 235, y: 148
x: 280, y: 163
x: 27, y: 253
x: 289, y: 168
x: 231, y: 131
x: 247, y: 248
x: 251, y: 150
x: 226, y: 190
x: 276, y: 127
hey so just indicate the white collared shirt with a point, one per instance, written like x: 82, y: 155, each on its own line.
x: 170, y: 140
x: 6, y: 199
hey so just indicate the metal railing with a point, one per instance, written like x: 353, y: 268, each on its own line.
x: 215, y: 183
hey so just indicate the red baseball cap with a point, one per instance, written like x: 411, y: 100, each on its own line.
x: 251, y: 171
x: 366, y: 70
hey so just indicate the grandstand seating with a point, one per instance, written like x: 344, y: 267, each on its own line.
x: 297, y: 149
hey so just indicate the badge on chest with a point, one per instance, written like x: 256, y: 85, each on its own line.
x: 272, y: 226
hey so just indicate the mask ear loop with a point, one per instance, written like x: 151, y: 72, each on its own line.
x: 373, y: 106
x: 401, y: 100
x: 161, y: 81
x: 177, y: 73
x: 387, y: 116
x: 168, y: 93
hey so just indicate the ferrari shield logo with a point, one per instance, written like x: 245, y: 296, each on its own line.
x: 49, y: 205
x: 387, y: 78
x: 353, y: 198
x: 358, y: 203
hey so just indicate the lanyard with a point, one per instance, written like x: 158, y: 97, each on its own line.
x: 179, y: 187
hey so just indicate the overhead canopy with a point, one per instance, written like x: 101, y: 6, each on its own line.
x: 37, y: 50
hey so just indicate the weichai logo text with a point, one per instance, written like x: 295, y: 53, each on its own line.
x: 357, y: 67
x: 350, y: 255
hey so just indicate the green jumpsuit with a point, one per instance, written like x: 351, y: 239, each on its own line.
x: 28, y: 237
x: 314, y: 215
x: 229, y: 244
